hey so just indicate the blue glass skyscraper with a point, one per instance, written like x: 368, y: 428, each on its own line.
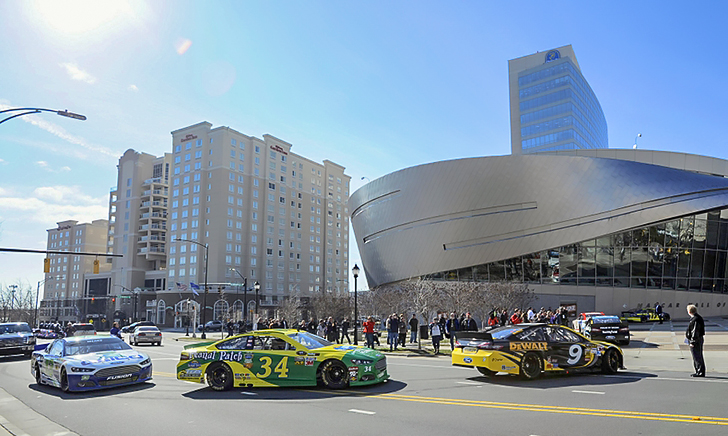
x: 552, y: 105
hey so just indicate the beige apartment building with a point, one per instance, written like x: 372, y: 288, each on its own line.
x: 266, y: 214
x: 63, y: 287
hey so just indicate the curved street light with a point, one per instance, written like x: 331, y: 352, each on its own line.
x: 37, y: 293
x: 35, y: 110
x: 204, y: 296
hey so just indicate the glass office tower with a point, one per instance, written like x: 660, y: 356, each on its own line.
x: 552, y: 105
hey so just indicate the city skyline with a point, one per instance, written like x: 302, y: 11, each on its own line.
x: 374, y: 88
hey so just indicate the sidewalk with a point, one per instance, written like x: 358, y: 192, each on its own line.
x: 15, y: 413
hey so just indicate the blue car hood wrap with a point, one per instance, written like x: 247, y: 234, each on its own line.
x: 108, y: 358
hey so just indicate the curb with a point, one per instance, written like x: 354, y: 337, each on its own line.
x: 33, y: 423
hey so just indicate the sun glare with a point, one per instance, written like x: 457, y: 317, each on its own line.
x: 80, y: 16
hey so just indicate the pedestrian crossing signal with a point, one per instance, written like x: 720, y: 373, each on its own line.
x: 46, y: 265
x: 96, y: 266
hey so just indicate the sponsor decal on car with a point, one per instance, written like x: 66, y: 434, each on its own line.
x: 299, y: 361
x: 117, y: 377
x: 528, y: 346
x: 192, y: 373
x: 353, y: 372
x: 310, y: 361
x: 507, y: 368
x: 230, y: 356
x: 194, y: 364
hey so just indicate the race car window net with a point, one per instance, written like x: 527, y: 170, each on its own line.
x: 309, y: 341
x: 535, y: 334
x: 86, y: 347
x: 504, y: 333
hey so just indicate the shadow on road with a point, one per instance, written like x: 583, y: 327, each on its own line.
x: 636, y: 343
x: 16, y: 358
x: 50, y: 390
x: 311, y: 393
x: 563, y: 380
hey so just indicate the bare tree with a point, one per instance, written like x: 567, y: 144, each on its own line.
x: 290, y: 309
x: 325, y: 304
x: 17, y: 302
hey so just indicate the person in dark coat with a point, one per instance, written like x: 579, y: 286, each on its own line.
x: 658, y: 311
x: 468, y: 324
x: 452, y: 326
x: 694, y: 335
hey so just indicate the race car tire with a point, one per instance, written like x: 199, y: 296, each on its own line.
x: 610, y: 362
x: 666, y: 316
x: 531, y: 366
x: 38, y: 378
x: 64, y: 381
x: 485, y: 371
x: 334, y: 374
x: 220, y: 377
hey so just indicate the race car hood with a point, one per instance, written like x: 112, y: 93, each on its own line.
x: 108, y: 357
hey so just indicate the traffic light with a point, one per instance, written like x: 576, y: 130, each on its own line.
x: 96, y: 266
x: 93, y: 299
x: 113, y: 299
x: 46, y: 265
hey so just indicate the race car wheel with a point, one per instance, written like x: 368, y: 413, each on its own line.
x: 334, y: 374
x: 531, y: 366
x: 64, y: 380
x: 610, y: 362
x: 38, y: 378
x: 220, y: 377
x: 485, y: 371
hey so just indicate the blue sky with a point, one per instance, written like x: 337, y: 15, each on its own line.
x: 375, y: 86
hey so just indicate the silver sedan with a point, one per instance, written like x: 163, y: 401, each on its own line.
x: 146, y: 334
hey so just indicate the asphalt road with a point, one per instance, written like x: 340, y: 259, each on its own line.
x: 425, y: 395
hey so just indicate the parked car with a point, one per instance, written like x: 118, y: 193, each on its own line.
x: 211, y: 326
x: 643, y: 315
x: 82, y: 329
x: 608, y: 328
x: 146, y: 334
x: 16, y: 338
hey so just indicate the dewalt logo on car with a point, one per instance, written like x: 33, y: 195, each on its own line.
x: 528, y: 346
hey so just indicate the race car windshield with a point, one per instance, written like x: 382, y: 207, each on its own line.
x: 14, y: 328
x: 605, y: 319
x: 504, y: 332
x: 309, y: 341
x: 95, y: 346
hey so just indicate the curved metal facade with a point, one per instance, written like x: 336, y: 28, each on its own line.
x: 453, y: 214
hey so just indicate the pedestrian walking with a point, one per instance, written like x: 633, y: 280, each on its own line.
x: 436, y: 334
x: 694, y: 336
x: 468, y: 324
x: 345, y: 330
x: 658, y: 311
x: 452, y: 326
x: 414, y: 325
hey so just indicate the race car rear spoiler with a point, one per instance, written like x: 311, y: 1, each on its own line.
x: 473, y: 336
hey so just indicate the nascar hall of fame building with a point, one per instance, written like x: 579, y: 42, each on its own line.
x: 585, y: 226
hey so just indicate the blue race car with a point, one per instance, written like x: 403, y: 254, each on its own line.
x: 80, y: 363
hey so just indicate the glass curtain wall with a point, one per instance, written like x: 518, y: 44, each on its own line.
x: 688, y: 253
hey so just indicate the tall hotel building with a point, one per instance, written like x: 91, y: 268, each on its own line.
x: 275, y: 217
x: 552, y: 105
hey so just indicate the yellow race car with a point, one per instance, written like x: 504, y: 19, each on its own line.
x: 270, y: 358
x: 643, y: 315
x: 530, y: 349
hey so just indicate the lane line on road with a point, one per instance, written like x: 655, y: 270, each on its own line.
x: 469, y: 383
x: 588, y: 392
x: 363, y: 412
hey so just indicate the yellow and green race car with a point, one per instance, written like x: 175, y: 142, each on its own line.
x: 530, y: 349
x: 270, y: 358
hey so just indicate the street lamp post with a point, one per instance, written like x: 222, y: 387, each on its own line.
x: 204, y: 297
x: 256, y: 286
x: 355, y: 270
x: 245, y: 296
x: 35, y: 110
x: 639, y: 135
x: 37, y: 294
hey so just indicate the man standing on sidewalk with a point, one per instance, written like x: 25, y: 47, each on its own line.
x: 694, y: 335
x: 658, y: 311
x: 414, y: 327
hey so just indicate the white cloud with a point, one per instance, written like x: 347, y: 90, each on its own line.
x: 75, y: 73
x: 43, y: 164
x: 2, y: 161
x: 182, y: 45
x: 51, y: 204
x: 133, y: 88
